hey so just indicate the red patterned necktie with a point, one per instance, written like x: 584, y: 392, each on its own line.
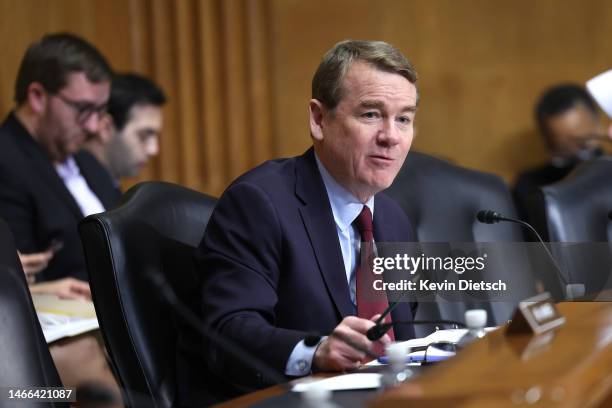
x: 369, y: 301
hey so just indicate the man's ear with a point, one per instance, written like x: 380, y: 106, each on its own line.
x: 107, y: 129
x: 317, y: 114
x: 37, y: 97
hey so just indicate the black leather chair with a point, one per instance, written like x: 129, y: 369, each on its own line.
x: 577, y: 207
x: 442, y: 200
x: 24, y: 354
x: 152, y: 232
x: 576, y: 213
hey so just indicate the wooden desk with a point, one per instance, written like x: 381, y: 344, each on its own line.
x: 572, y: 368
x: 261, y: 395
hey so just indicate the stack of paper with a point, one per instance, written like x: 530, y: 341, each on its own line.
x: 447, y: 336
x: 64, y: 318
x: 355, y: 381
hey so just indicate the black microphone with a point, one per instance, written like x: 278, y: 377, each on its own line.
x: 489, y: 217
x: 610, y: 215
x: 492, y: 217
x: 377, y: 331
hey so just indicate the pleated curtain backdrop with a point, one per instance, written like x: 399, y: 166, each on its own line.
x: 211, y: 57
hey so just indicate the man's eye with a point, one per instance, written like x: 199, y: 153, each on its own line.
x: 85, y: 108
x: 370, y: 115
x: 404, y: 120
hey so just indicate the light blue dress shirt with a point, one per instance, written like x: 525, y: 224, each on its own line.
x: 87, y: 200
x: 345, y: 208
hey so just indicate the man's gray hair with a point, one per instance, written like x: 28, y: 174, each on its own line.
x: 327, y: 81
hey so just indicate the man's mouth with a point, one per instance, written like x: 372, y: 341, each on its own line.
x: 381, y: 157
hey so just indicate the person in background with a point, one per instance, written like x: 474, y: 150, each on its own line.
x: 568, y: 121
x: 129, y: 135
x: 47, y: 184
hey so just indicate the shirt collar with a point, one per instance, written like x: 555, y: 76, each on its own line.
x: 345, y: 206
x: 68, y: 168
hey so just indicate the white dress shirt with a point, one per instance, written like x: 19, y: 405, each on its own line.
x: 74, y: 181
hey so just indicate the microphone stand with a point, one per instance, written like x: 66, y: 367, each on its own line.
x: 492, y: 217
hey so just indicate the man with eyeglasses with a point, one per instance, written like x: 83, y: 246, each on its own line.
x: 46, y: 183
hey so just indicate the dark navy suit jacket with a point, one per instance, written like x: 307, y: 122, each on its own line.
x: 36, y: 204
x: 272, y: 265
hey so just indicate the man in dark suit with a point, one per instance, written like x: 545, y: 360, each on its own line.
x: 46, y: 184
x: 280, y: 255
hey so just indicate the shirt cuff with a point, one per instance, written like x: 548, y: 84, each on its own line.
x: 300, y: 360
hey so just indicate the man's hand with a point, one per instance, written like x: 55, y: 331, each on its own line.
x: 34, y: 263
x: 65, y: 288
x: 335, y: 354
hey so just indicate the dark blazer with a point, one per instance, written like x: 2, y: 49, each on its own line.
x: 37, y: 205
x: 272, y: 265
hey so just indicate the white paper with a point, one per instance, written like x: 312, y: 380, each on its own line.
x: 64, y: 317
x: 439, y: 336
x: 444, y: 336
x: 56, y: 326
x: 354, y: 381
x: 449, y: 336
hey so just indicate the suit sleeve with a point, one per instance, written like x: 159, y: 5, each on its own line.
x: 241, y: 261
x: 16, y: 208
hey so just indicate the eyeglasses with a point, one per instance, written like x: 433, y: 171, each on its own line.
x: 84, y: 110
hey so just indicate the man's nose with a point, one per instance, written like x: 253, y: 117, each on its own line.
x: 93, y: 123
x: 389, y: 134
x: 152, y: 147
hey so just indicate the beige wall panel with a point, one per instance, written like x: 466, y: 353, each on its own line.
x: 236, y: 86
x: 482, y: 66
x: 164, y: 72
x: 189, y: 97
x: 259, y: 54
x: 237, y: 72
x: 213, y: 151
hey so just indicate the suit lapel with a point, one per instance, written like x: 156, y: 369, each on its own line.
x: 55, y: 182
x: 96, y: 180
x: 321, y: 228
x: 41, y: 161
x: 383, y: 227
x: 384, y: 232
